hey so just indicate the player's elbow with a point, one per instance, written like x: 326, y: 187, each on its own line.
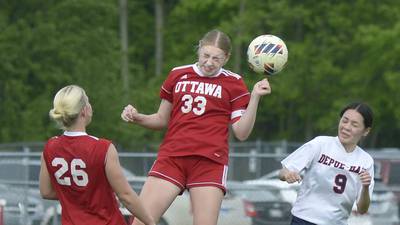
x: 362, y: 211
x: 242, y: 137
x: 44, y: 194
x: 240, y: 131
x: 48, y: 195
x: 362, y: 208
x: 162, y: 125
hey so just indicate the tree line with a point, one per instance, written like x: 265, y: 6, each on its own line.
x: 339, y: 51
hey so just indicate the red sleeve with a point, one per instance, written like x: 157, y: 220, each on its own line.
x: 167, y: 87
x: 240, y: 96
x: 240, y: 100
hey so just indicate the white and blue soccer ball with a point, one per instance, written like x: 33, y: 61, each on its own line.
x: 267, y: 54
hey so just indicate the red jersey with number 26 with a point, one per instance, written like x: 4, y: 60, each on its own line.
x: 76, y: 164
x: 203, y: 108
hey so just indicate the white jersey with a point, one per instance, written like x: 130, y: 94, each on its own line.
x: 331, y: 183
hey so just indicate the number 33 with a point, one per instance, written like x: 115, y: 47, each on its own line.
x: 188, y: 104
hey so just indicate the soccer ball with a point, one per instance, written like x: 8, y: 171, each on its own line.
x: 267, y: 54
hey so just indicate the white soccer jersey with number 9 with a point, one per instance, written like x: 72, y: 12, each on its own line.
x: 331, y: 183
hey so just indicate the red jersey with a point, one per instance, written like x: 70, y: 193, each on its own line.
x: 76, y: 164
x: 203, y: 108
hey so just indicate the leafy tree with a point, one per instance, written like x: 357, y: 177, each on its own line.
x: 338, y: 52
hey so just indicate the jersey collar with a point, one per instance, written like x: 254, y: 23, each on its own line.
x: 198, y: 71
x: 342, y: 147
x: 74, y: 133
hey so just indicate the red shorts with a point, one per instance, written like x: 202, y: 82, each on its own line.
x: 190, y: 171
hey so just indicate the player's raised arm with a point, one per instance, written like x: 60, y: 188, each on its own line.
x: 243, y: 127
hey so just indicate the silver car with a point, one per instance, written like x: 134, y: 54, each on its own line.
x: 21, y: 206
x: 21, y: 177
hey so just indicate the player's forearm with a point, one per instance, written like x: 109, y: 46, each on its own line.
x: 244, y: 126
x: 50, y: 195
x: 45, y: 187
x: 364, y: 201
x: 134, y: 205
x: 152, y: 121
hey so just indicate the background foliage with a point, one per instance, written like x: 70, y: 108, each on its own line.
x: 339, y: 51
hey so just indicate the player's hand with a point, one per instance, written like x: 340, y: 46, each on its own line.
x: 365, y: 178
x: 261, y: 88
x: 292, y: 176
x: 129, y: 114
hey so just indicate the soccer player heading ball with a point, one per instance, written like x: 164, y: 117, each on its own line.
x: 198, y: 103
x: 337, y: 172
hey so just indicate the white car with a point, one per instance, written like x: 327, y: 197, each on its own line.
x: 288, y: 191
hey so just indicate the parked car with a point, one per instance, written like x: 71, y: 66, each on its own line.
x: 21, y: 178
x: 265, y: 206
x: 23, y: 174
x: 271, y: 180
x: 22, y: 207
x: 382, y: 209
x: 387, y: 169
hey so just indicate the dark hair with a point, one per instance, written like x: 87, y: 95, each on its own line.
x: 363, y: 109
x: 217, y: 38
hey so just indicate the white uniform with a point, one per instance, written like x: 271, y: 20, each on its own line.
x: 331, y: 183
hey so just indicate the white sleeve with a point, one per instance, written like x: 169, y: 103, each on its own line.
x: 302, y: 157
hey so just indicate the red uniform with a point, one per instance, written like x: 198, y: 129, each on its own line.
x: 203, y: 107
x: 76, y: 164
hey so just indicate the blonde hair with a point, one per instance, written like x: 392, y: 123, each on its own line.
x: 67, y: 104
x: 218, y: 39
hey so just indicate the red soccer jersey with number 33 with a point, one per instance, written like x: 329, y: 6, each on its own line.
x: 203, y: 108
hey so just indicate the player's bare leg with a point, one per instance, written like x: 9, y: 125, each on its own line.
x: 157, y: 195
x: 206, y: 203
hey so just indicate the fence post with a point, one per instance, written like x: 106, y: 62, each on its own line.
x: 2, y: 205
x: 25, y: 201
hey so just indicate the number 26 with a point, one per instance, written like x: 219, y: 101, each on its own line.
x: 79, y: 176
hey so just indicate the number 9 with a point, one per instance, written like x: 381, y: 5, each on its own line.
x: 340, y: 183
